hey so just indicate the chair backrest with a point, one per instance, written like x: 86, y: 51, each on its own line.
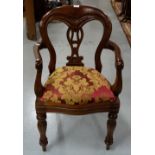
x: 75, y: 17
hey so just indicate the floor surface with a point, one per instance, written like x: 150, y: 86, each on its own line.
x: 78, y: 135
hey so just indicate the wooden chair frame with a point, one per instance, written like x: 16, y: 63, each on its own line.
x: 75, y: 18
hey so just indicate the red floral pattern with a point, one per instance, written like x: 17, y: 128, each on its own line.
x: 76, y: 85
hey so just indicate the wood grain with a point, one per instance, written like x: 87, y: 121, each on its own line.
x: 75, y: 19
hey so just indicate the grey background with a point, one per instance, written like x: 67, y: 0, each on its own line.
x: 85, y: 134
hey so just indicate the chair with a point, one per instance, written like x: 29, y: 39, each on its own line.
x: 75, y: 89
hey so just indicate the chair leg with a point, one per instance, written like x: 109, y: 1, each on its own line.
x: 111, y: 124
x: 42, y: 125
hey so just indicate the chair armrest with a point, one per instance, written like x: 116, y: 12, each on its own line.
x: 38, y: 87
x: 117, y: 86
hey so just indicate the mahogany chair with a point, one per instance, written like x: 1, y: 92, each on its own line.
x: 75, y: 89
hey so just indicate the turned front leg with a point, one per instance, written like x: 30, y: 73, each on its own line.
x: 111, y: 124
x: 42, y: 125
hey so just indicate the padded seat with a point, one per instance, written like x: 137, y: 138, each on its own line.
x: 72, y: 89
x: 75, y: 85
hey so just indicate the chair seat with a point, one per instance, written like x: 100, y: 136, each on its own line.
x: 74, y: 85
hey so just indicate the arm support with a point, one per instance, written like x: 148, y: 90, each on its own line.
x: 38, y: 88
x: 117, y: 86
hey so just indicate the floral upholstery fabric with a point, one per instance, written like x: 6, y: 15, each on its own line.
x: 76, y: 85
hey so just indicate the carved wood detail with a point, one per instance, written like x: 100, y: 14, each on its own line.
x: 42, y: 125
x: 75, y: 37
x: 111, y: 125
x: 75, y: 19
x: 119, y: 64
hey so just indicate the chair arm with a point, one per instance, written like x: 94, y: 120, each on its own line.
x: 117, y: 86
x: 38, y: 87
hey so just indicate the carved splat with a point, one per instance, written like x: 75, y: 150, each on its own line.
x: 75, y: 18
x: 74, y: 37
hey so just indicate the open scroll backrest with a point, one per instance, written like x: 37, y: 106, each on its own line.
x: 75, y: 17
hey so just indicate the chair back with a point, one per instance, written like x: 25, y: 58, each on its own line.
x: 75, y: 17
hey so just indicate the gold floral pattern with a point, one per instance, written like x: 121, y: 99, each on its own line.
x: 76, y: 85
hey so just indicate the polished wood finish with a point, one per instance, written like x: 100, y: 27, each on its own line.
x: 75, y: 18
x: 117, y: 86
x: 111, y: 124
x: 42, y: 125
x: 30, y: 19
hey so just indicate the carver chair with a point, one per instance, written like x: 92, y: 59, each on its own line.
x: 75, y: 89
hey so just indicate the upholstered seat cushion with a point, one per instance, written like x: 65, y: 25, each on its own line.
x: 76, y: 85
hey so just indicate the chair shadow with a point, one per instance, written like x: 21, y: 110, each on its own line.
x: 121, y: 133
x: 60, y: 133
